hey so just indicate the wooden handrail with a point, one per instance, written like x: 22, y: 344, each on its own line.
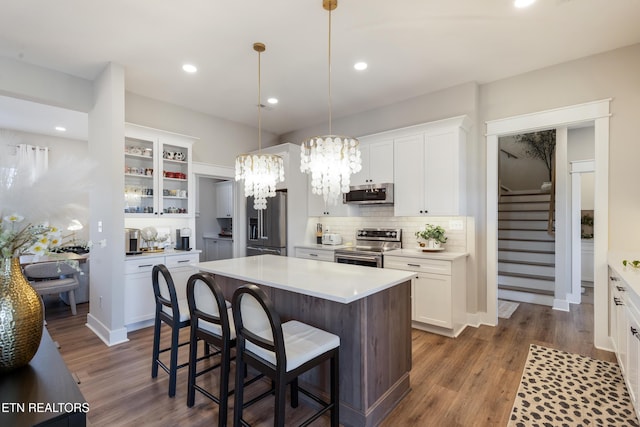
x: 552, y: 198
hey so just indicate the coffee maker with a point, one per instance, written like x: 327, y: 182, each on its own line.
x: 132, y: 241
x: 182, y: 239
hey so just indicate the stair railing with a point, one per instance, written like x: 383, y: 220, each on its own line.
x: 552, y: 199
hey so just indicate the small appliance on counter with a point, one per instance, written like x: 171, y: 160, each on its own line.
x: 182, y: 239
x: 132, y: 241
x: 331, y: 239
x: 319, y: 233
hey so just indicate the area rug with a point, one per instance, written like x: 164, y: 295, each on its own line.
x: 566, y: 389
x: 506, y: 308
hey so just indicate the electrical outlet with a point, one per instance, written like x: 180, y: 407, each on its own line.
x: 456, y: 224
x: 100, y: 228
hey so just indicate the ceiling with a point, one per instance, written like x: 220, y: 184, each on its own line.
x: 412, y: 47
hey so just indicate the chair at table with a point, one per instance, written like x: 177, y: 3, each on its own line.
x: 211, y: 322
x: 175, y: 314
x: 53, y: 278
x: 282, y: 352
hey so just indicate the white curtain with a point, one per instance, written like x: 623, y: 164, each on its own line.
x: 33, y: 159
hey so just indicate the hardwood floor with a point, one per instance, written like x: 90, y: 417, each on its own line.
x: 467, y: 381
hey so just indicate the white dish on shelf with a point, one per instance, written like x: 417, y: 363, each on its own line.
x: 425, y: 249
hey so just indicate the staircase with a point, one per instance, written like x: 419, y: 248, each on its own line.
x: 526, y: 251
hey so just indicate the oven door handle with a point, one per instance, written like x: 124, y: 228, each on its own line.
x: 358, y: 257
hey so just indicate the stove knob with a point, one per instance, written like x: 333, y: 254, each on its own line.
x: 394, y: 234
x: 362, y: 233
x: 388, y: 233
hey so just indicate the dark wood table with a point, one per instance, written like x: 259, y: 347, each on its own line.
x: 43, y: 393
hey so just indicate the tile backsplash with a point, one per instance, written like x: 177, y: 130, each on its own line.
x: 382, y: 217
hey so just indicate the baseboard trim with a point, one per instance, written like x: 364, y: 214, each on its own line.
x: 109, y: 337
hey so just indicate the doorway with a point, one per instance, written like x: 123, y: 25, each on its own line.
x: 594, y: 112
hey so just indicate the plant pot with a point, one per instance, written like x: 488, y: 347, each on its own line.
x: 433, y: 244
x: 21, y: 317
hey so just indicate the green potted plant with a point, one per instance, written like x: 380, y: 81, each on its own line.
x: 432, y: 237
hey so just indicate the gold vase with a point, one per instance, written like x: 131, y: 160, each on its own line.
x: 21, y: 317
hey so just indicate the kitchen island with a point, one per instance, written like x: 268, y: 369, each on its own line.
x: 368, y: 308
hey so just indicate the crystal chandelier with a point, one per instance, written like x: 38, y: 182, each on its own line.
x: 330, y: 159
x: 260, y: 172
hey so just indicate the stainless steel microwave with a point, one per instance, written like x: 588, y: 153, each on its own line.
x: 371, y: 194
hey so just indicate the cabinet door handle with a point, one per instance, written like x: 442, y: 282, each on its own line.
x: 183, y: 260
x: 621, y: 288
x: 634, y: 332
x: 617, y: 301
x: 615, y: 279
x: 313, y: 254
x: 414, y: 265
x: 145, y: 265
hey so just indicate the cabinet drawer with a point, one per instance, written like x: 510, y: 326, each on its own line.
x: 317, y: 254
x: 181, y: 260
x: 418, y: 265
x: 141, y: 265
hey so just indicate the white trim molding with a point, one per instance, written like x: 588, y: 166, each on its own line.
x: 597, y: 112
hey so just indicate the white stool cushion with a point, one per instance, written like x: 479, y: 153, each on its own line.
x: 216, y: 329
x: 183, y: 305
x: 302, y: 343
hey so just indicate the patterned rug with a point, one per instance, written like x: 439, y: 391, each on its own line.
x: 506, y: 308
x: 565, y: 389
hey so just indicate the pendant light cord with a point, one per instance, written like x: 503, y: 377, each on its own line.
x: 330, y: 103
x: 259, y: 107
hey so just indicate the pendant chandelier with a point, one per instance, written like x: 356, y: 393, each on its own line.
x: 260, y: 172
x: 330, y: 159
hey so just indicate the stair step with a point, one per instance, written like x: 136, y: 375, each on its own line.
x: 526, y: 245
x: 511, y: 198
x: 538, y: 235
x: 524, y: 215
x: 528, y: 269
x: 535, y: 263
x: 523, y: 289
x: 547, y: 257
x: 529, y: 251
x: 523, y: 206
x: 529, y: 281
x: 527, y: 276
x: 522, y: 224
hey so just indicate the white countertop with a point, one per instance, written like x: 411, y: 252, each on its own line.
x: 630, y: 275
x: 341, y: 283
x: 322, y: 247
x: 417, y: 253
x: 168, y: 252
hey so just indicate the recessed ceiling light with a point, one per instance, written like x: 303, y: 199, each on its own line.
x: 272, y: 100
x: 360, y: 66
x: 61, y: 128
x: 189, y: 68
x: 523, y: 3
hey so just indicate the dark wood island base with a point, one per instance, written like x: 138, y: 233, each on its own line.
x: 375, y: 345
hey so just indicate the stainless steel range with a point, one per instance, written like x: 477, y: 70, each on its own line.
x: 371, y: 243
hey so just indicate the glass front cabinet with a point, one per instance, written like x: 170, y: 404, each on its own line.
x: 157, y: 173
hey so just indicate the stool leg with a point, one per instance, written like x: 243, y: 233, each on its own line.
x: 294, y: 393
x: 225, y: 362
x: 335, y: 388
x: 72, y: 301
x: 173, y: 363
x: 156, y: 347
x: 193, y: 357
x: 280, y: 401
x: 239, y: 389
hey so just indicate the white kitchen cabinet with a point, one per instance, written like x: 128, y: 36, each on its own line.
x: 377, y: 161
x: 429, y: 169
x: 139, y: 301
x: 157, y: 173
x: 438, y: 292
x: 217, y: 248
x: 317, y: 207
x: 319, y: 254
x: 224, y: 199
x: 624, y: 324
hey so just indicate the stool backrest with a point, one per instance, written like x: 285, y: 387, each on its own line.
x: 258, y: 322
x: 164, y: 291
x: 207, y: 303
x: 49, y: 270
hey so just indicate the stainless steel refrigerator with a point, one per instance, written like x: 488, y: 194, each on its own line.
x: 267, y: 228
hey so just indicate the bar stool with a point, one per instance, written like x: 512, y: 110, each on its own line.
x: 282, y: 352
x: 211, y: 322
x: 175, y: 314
